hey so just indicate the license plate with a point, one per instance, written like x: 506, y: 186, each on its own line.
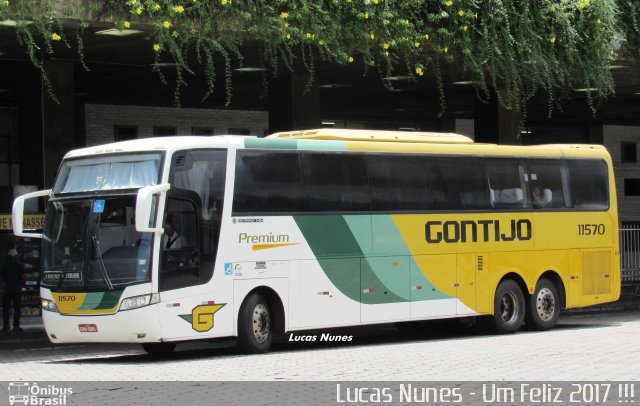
x: 88, y: 328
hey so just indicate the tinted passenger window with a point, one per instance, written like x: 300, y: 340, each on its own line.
x: 405, y: 183
x: 547, y: 183
x: 466, y: 183
x: 589, y: 186
x: 506, y: 182
x: 267, y: 182
x: 335, y: 182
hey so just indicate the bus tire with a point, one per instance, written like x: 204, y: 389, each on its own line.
x: 255, y: 328
x: 158, y: 348
x: 544, y: 306
x: 508, y: 308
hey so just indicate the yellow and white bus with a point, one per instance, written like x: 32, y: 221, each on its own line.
x: 317, y: 229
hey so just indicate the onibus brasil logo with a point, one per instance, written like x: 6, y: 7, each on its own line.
x: 25, y: 393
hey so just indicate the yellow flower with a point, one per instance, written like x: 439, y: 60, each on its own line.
x: 386, y: 53
x: 375, y: 1
x: 465, y: 27
x: 372, y: 36
x: 405, y: 21
x: 449, y: 3
x: 286, y: 25
x: 309, y: 35
x: 55, y: 36
x: 366, y: 15
x: 385, y: 46
x: 156, y: 7
x: 350, y: 59
x: 132, y: 2
x: 419, y: 72
x: 156, y: 47
x: 288, y: 36
x: 461, y: 13
x: 284, y: 15
x: 178, y: 9
x: 224, y: 2
x: 417, y: 45
x: 552, y: 40
x: 445, y: 50
x: 166, y: 24
x: 426, y: 36
x: 138, y: 11
x: 126, y: 24
x: 599, y: 21
x: 321, y: 42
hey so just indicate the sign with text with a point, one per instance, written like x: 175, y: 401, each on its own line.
x: 30, y: 221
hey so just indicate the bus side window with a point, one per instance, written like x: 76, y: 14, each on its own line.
x: 589, y: 184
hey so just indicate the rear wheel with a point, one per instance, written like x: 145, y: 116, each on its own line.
x: 255, y: 329
x: 508, y: 308
x: 158, y: 348
x: 544, y: 306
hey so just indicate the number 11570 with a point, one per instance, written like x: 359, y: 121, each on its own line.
x: 591, y: 229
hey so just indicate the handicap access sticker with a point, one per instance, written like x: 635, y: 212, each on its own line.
x: 228, y: 268
x: 98, y: 206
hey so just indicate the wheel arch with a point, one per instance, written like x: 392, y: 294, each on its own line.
x: 275, y: 304
x: 555, y: 278
x: 517, y: 278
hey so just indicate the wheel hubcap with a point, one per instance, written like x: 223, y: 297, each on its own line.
x: 509, y: 307
x: 545, y: 304
x: 261, y: 323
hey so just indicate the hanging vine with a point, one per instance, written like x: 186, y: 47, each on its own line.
x: 512, y: 48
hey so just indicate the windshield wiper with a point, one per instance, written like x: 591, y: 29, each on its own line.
x: 103, y: 268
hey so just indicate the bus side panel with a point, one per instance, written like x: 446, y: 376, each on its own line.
x: 323, y: 303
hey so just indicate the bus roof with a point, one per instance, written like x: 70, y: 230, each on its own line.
x: 339, y: 134
x: 344, y: 140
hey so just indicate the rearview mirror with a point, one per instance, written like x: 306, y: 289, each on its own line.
x: 145, y: 210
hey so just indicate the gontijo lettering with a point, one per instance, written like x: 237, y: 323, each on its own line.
x: 480, y: 230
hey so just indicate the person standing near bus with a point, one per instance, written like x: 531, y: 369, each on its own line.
x: 12, y: 276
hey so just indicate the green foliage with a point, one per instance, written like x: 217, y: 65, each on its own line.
x: 520, y: 47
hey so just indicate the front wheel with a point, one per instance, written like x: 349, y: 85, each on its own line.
x: 508, y: 308
x: 544, y: 306
x: 255, y: 329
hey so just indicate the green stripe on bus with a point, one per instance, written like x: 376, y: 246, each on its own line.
x: 101, y: 300
x: 314, y: 145
x: 267, y: 143
x: 330, y: 237
x: 91, y: 300
x: 388, y: 235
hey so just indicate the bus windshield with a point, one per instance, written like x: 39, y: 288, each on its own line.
x: 92, y: 244
x: 112, y: 172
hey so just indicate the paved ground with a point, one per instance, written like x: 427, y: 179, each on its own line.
x: 600, y: 345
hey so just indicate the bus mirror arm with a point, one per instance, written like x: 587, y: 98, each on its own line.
x: 144, y: 208
x: 17, y: 213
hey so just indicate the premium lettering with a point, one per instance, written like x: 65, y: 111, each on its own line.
x: 477, y: 231
x: 262, y: 239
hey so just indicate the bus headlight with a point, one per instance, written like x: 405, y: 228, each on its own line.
x: 136, y: 302
x: 49, y: 305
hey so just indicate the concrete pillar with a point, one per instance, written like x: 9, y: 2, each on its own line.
x: 291, y: 105
x: 58, y: 118
x: 29, y: 102
x: 495, y: 123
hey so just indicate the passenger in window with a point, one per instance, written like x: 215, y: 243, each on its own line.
x: 171, y: 239
x: 540, y: 197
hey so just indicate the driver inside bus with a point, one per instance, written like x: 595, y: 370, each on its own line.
x: 171, y: 238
